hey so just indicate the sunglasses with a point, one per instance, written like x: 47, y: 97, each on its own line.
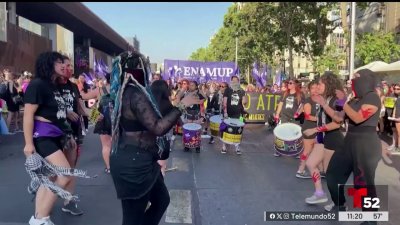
x: 290, y: 83
x: 222, y: 86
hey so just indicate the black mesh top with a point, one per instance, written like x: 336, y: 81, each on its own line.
x: 137, y: 114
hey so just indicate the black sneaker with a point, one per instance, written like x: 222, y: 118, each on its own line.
x: 197, y: 150
x: 72, y: 208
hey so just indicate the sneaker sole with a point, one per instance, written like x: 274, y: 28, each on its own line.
x: 72, y: 213
x: 318, y: 202
x: 301, y: 177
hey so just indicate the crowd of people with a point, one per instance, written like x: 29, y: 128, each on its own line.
x: 140, y: 115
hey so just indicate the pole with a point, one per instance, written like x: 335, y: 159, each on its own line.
x: 353, y: 38
x: 236, y: 54
x: 284, y: 65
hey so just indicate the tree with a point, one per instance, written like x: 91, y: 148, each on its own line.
x: 380, y: 46
x: 317, y: 28
x: 203, y: 54
x: 331, y: 58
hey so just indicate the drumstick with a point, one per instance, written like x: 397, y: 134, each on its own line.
x: 171, y: 169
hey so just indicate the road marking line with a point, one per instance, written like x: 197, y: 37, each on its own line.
x: 181, y: 163
x: 180, y: 207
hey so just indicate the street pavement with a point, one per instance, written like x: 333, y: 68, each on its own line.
x: 208, y: 188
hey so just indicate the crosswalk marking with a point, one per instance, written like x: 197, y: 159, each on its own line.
x: 181, y: 163
x: 180, y: 207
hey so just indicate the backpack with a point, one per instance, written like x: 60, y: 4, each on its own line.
x: 4, y: 93
x: 106, y: 103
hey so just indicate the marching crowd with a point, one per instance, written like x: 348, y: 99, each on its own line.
x: 139, y: 115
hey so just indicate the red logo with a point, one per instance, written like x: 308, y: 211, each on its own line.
x: 357, y: 194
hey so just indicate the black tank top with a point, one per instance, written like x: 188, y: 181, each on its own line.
x: 314, y: 110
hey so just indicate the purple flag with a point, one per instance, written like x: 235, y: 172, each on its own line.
x: 278, y: 78
x: 257, y: 75
x: 263, y: 76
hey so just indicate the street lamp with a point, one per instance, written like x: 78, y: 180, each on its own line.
x: 236, y: 52
x: 284, y: 65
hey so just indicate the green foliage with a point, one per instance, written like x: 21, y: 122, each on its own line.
x: 330, y: 59
x: 203, y: 54
x: 380, y: 46
x: 265, y: 28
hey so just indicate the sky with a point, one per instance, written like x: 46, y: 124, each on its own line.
x: 165, y: 30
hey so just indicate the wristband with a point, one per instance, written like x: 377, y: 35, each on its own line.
x: 296, y: 115
x: 322, y: 128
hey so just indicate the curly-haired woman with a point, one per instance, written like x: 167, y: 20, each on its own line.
x: 45, y: 125
x: 329, y: 136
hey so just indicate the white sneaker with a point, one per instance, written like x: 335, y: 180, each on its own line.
x: 42, y: 221
x: 329, y: 207
x: 396, y: 151
x: 391, y: 148
x: 316, y: 199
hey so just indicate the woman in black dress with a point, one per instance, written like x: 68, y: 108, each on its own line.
x: 136, y: 123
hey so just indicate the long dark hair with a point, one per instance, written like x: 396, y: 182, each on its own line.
x: 296, y: 84
x: 161, y: 94
x: 332, y: 83
x: 45, y: 64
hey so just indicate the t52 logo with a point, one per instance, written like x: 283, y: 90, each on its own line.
x: 362, y: 200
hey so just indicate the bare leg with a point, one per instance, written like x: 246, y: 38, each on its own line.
x: 308, y: 147
x: 314, y: 159
x: 397, y: 134
x: 106, y: 149
x: 45, y: 198
x: 72, y: 159
x: 9, y: 120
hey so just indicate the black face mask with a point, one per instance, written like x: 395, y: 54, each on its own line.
x: 364, y: 84
x: 138, y: 74
x: 132, y: 63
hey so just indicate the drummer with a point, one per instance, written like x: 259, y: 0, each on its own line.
x: 234, y: 101
x: 290, y: 105
x: 193, y: 113
x: 213, y: 105
x: 183, y: 86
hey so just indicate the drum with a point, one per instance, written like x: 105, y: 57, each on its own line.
x: 191, y: 135
x: 232, y: 131
x: 215, y: 121
x: 288, y: 139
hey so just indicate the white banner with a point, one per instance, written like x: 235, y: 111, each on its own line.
x: 3, y: 22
